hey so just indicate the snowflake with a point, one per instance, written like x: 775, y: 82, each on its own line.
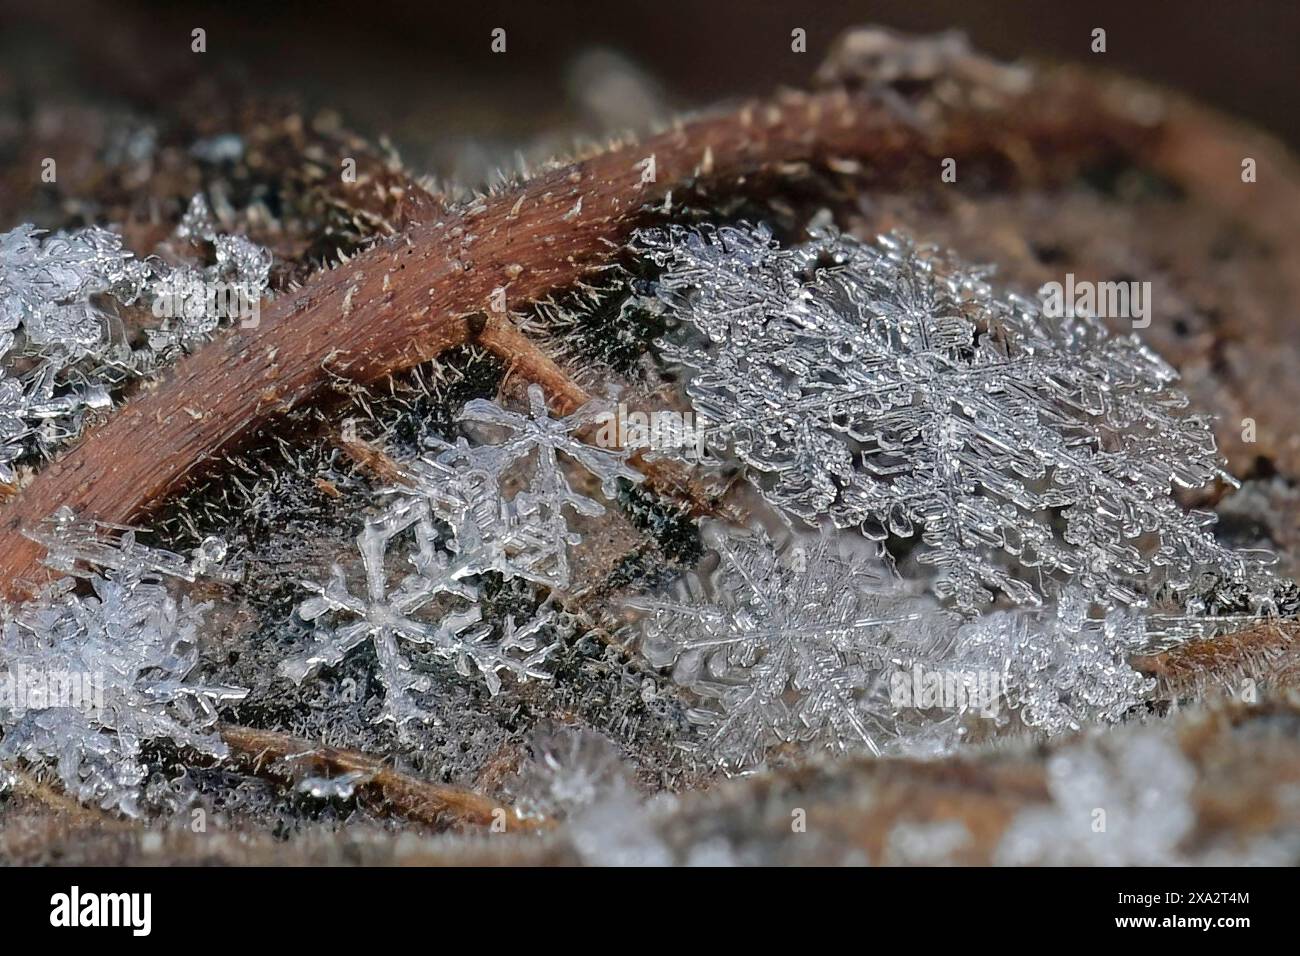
x: 542, y: 439
x: 61, y: 354
x: 46, y: 284
x: 1060, y: 667
x: 90, y: 677
x: 890, y: 388
x: 793, y: 645
x: 456, y: 523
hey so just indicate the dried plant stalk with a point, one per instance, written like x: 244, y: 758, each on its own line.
x: 408, y: 796
x: 425, y: 291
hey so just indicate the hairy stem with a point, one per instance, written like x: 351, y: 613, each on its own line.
x: 266, y: 752
x: 413, y: 296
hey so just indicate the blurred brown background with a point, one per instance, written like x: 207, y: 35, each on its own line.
x: 423, y: 71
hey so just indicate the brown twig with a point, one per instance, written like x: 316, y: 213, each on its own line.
x: 1265, y: 653
x: 268, y: 752
x: 407, y: 300
x: 60, y: 802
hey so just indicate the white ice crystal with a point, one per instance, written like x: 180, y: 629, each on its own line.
x: 1061, y: 668
x: 578, y: 776
x: 61, y: 353
x: 793, y: 645
x: 455, y: 523
x: 569, y: 770
x: 95, y: 669
x: 46, y: 284
x: 891, y: 388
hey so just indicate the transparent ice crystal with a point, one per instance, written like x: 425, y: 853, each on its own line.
x: 46, y: 284
x: 1060, y: 667
x: 569, y: 770
x: 453, y: 521
x: 100, y: 662
x: 891, y: 388
x: 793, y: 645
x: 62, y: 351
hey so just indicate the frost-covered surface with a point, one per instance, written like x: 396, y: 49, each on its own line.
x: 63, y: 345
x: 891, y: 388
x: 578, y: 776
x: 101, y: 662
x: 1125, y: 801
x: 455, y: 521
x: 807, y: 644
x: 793, y: 645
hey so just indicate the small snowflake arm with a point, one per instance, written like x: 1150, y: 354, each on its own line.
x: 537, y: 431
x: 519, y: 651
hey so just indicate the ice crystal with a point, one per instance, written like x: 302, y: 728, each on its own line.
x: 46, y: 284
x: 93, y: 671
x: 61, y: 353
x: 455, y: 523
x: 793, y: 645
x: 1060, y: 667
x: 578, y: 776
x: 569, y: 770
x: 891, y: 388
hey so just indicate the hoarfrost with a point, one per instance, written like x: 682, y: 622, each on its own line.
x: 61, y: 345
x: 890, y: 387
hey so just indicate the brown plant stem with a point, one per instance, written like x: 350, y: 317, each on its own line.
x: 1265, y: 653
x: 266, y: 752
x: 58, y: 801
x: 412, y: 297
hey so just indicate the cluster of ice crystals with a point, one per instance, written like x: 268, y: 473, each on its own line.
x: 808, y: 644
x: 794, y: 645
x: 569, y: 769
x: 200, y: 299
x: 61, y: 348
x: 453, y: 522
x: 100, y: 663
x: 46, y: 285
x: 579, y: 776
x: 1117, y: 801
x: 1061, y: 668
x: 891, y: 388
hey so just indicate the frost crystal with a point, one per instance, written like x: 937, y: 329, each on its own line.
x: 455, y: 524
x: 891, y: 388
x: 579, y: 776
x: 46, y: 284
x: 1061, y: 668
x: 90, y: 677
x: 788, y: 646
x: 61, y: 348
x: 570, y: 769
